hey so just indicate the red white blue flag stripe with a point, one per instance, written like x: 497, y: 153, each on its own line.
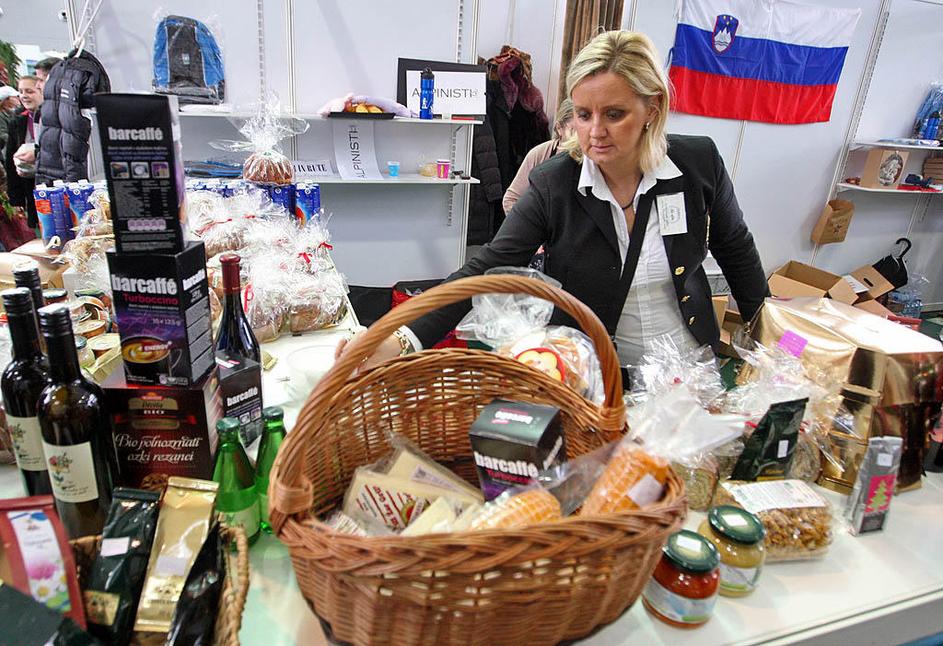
x: 760, y: 60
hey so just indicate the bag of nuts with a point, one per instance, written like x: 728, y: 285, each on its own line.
x: 798, y: 520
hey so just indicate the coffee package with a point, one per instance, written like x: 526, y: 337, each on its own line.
x: 514, y: 441
x: 162, y: 432
x: 35, y: 555
x: 767, y: 453
x: 114, y: 583
x: 162, y: 308
x: 870, y: 500
x: 195, y: 617
x: 183, y: 524
x: 240, y: 388
x: 141, y: 150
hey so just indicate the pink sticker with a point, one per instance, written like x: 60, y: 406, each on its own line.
x: 793, y: 343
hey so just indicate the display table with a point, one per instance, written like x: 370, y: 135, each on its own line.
x: 876, y: 589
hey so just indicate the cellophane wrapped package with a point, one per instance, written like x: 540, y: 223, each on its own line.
x: 262, y: 132
x: 517, y: 326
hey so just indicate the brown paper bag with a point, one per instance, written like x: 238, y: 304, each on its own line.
x: 833, y: 223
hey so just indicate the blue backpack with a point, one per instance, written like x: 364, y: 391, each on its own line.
x: 187, y: 61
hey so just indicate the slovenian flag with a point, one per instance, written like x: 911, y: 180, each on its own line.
x: 760, y: 60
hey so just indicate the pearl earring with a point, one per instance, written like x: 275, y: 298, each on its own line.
x: 648, y: 124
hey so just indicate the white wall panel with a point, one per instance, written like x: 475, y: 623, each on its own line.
x: 34, y: 22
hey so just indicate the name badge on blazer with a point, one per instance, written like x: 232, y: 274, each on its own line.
x: 671, y: 216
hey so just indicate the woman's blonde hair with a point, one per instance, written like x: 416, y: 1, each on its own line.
x: 633, y: 56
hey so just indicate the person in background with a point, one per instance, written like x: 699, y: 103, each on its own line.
x: 43, y: 68
x: 562, y: 130
x: 628, y: 215
x: 9, y: 107
x: 19, y: 160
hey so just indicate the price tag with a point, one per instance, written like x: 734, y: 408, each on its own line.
x: 783, y: 449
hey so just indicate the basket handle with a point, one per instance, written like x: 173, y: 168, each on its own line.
x: 289, y: 494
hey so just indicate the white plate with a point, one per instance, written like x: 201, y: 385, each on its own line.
x: 306, y: 366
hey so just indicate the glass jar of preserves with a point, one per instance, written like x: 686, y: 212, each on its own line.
x: 86, y: 358
x: 683, y: 589
x: 738, y: 536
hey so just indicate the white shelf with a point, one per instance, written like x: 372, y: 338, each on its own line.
x: 873, y: 143
x: 844, y: 186
x: 208, y: 111
x: 404, y: 178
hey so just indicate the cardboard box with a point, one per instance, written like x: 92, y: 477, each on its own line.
x: 834, y: 222
x: 142, y: 155
x: 49, y: 273
x: 868, y: 283
x: 514, y: 441
x: 161, y: 304
x: 162, y: 431
x: 798, y: 279
x: 240, y: 388
x: 884, y: 168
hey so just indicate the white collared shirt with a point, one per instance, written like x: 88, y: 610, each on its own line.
x: 651, y: 307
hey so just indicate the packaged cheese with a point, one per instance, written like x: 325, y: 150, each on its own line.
x: 436, y: 519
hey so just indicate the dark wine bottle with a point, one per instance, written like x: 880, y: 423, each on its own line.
x: 27, y: 275
x: 235, y: 335
x: 22, y: 383
x: 236, y: 500
x: 272, y: 436
x: 76, y: 431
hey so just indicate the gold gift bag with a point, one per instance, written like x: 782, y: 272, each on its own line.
x: 892, y: 377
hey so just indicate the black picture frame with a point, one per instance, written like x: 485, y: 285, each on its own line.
x: 419, y: 64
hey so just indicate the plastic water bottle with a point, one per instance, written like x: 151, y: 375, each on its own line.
x: 426, y: 93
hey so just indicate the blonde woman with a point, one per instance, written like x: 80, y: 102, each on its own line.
x: 627, y: 217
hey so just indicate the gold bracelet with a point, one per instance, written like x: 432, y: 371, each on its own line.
x: 405, y: 346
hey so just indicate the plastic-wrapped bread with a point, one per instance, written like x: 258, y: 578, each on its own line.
x: 509, y: 510
x: 633, y: 479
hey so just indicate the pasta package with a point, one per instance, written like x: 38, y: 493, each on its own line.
x: 798, y: 520
x: 518, y: 509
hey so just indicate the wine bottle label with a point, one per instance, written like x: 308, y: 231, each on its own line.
x: 27, y: 443
x: 247, y: 518
x: 72, y: 472
x: 41, y: 558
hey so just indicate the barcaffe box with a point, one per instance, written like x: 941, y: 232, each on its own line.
x: 140, y: 142
x: 514, y: 441
x: 162, y: 431
x: 240, y: 388
x: 162, y: 307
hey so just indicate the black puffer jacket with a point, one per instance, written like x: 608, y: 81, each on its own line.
x: 63, y: 141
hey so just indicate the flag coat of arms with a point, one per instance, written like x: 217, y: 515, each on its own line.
x: 759, y: 60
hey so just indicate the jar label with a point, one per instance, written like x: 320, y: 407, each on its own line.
x: 27, y: 443
x: 42, y: 559
x: 678, y: 608
x: 738, y: 579
x: 247, y: 518
x: 72, y: 472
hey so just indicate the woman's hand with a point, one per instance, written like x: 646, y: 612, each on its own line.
x: 387, y: 350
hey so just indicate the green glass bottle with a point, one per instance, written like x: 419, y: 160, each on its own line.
x: 272, y: 435
x: 236, y: 502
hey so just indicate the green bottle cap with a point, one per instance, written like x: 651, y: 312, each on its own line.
x: 227, y: 425
x: 691, y: 552
x: 737, y: 524
x: 272, y: 413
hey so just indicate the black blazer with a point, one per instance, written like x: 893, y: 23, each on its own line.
x: 19, y: 189
x: 583, y: 250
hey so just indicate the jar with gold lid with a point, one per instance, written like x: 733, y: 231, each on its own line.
x: 738, y: 536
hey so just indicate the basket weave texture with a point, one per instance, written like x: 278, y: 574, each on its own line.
x: 231, y: 603
x: 536, y: 585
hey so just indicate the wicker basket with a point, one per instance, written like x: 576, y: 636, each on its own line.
x: 537, y: 585
x: 231, y: 603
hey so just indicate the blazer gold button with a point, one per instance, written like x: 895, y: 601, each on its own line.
x: 691, y: 321
x: 679, y: 271
x: 685, y: 298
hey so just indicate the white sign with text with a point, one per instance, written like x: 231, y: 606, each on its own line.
x: 354, y: 151
x: 453, y: 93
